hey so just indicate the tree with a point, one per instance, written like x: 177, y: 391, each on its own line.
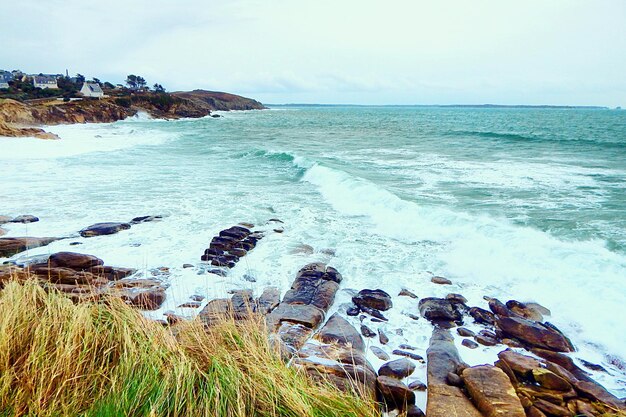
x: 95, y: 80
x: 80, y: 78
x: 131, y: 81
x: 108, y: 85
x: 141, y: 82
x: 158, y: 88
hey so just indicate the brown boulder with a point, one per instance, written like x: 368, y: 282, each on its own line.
x: 436, y: 309
x: 77, y: 261
x: 9, y: 246
x: 400, y: 368
x: 492, y: 392
x: 533, y: 333
x: 376, y: 299
x: 307, y: 315
x: 338, y: 330
x: 25, y: 218
x: 395, y: 393
x: 99, y: 229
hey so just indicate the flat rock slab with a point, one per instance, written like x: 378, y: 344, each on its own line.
x: 376, y: 299
x: 492, y: 392
x: 100, y: 229
x: 445, y: 400
x: 78, y: 261
x: 25, y: 218
x: 9, y: 246
x: 338, y: 330
x: 535, y: 334
x: 399, y: 369
x: 439, y: 309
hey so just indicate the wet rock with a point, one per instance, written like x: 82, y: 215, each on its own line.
x: 268, y: 300
x: 399, y: 368
x: 77, y: 261
x: 312, y: 291
x: 445, y: 400
x: 382, y: 337
x: 9, y: 246
x: 395, y: 393
x: 373, y: 299
x: 535, y: 334
x: 593, y: 366
x: 417, y: 385
x: 550, y: 380
x: 462, y: 331
x: 440, y: 281
x: 24, y: 218
x: 514, y: 343
x: 249, y: 278
x: 190, y: 304
x: 5, y: 219
x: 482, y: 316
x: 197, y: 297
x: 523, y: 310
x: 145, y: 219
x: 454, y: 379
x: 410, y: 355
x: 469, y: 343
x: 407, y: 347
x: 412, y: 316
x: 145, y: 297
x: 353, y: 311
x: 291, y: 336
x: 414, y: 411
x: 486, y: 338
x: 499, y: 309
x: 374, y: 313
x: 521, y: 364
x: 456, y: 298
x: 439, y: 309
x: 492, y: 392
x: 406, y: 293
x: 187, y: 266
x: 100, y: 229
x: 552, y: 409
x: 366, y: 331
x: 338, y: 330
x: 379, y: 353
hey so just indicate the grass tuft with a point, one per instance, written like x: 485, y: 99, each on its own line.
x: 102, y: 359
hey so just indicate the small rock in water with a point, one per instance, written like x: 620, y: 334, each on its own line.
x: 456, y: 298
x: 412, y: 316
x: 399, y: 332
x: 187, y: 266
x: 406, y: 293
x: 25, y: 218
x: 487, y: 338
x: 373, y: 299
x: 190, y: 304
x: 379, y: 353
x: 462, y: 331
x: 328, y: 251
x: 482, y: 316
x: 353, y: 311
x: 440, y: 280
x: 76, y: 243
x: 145, y: 219
x: 5, y: 219
x: 382, y: 337
x: 410, y: 355
x: 407, y: 347
x: 373, y: 312
x: 366, y: 331
x: 417, y: 385
x: 197, y: 297
x: 100, y: 229
x: 469, y: 343
x: 593, y: 366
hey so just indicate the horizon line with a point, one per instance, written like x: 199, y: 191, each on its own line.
x: 485, y: 105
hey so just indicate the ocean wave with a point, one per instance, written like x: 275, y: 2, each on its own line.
x: 492, y: 254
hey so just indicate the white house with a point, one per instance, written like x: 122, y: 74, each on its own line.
x: 44, y: 81
x: 92, y: 90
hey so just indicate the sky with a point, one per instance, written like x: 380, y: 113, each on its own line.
x: 565, y: 52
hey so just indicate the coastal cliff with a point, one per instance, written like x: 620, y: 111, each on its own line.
x: 24, y: 118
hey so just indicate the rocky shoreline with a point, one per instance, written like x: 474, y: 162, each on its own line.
x: 533, y: 376
x: 19, y: 119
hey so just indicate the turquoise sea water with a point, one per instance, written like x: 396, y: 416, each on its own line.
x: 512, y: 203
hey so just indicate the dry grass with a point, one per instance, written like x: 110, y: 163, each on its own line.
x: 106, y: 359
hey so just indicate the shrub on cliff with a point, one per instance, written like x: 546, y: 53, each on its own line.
x: 106, y: 359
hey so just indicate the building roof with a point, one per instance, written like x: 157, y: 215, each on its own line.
x: 94, y: 87
x: 44, y: 79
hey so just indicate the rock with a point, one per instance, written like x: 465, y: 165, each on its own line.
x: 456, y: 298
x: 523, y: 310
x: 412, y: 316
x: 366, y: 331
x: 395, y: 393
x: 338, y: 330
x: 382, y: 337
x: 417, y: 385
x: 5, y: 219
x: 454, y: 379
x: 482, y: 316
x: 445, y: 400
x: 492, y: 392
x: 2, y: 232
x: 549, y: 380
x: 406, y: 354
x: 439, y: 309
x: 406, y: 293
x: 9, y: 246
x: 499, y: 309
x: 551, y: 409
x: 414, y: 411
x: 307, y: 315
x: 593, y: 366
x: 407, y: 347
x: 190, y: 304
x: 520, y: 364
x: 353, y: 311
x: 374, y: 313
x: 399, y: 368
x: 100, y: 229
x: 373, y: 299
x: 486, y: 338
x: 379, y: 353
x: 440, y: 281
x: 469, y: 343
x: 249, y: 278
x: 187, y: 266
x: 535, y: 334
x: 77, y: 261
x: 312, y: 291
x: 197, y: 297
x: 146, y: 299
x: 291, y: 336
x: 462, y: 331
x: 145, y: 219
x: 25, y: 218
x: 268, y: 300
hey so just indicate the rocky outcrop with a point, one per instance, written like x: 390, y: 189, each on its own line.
x: 230, y: 245
x: 100, y: 229
x: 534, y: 333
x: 215, y: 100
x: 9, y: 246
x: 492, y: 392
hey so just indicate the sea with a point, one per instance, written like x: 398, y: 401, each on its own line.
x: 514, y: 203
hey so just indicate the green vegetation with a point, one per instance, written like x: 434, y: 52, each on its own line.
x: 106, y: 359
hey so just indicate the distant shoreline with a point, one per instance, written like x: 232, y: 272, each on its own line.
x: 478, y: 106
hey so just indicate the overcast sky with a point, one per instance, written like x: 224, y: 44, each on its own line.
x: 334, y: 51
